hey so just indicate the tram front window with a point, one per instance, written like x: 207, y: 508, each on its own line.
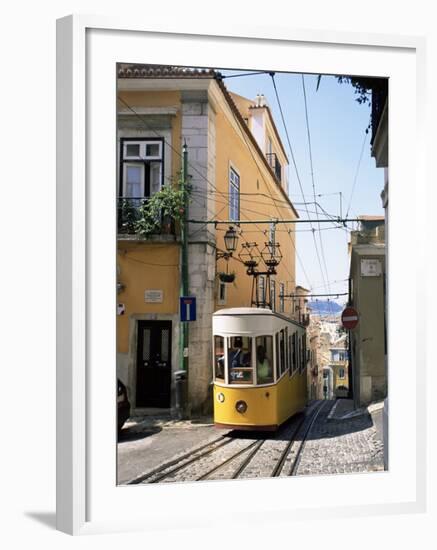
x: 219, y: 357
x: 239, y: 360
x: 264, y: 359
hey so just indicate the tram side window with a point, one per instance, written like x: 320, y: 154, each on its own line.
x: 296, y: 351
x: 286, y: 354
x: 291, y: 353
x: 301, y: 359
x: 280, y: 352
x: 264, y: 359
x: 219, y: 357
x: 304, y: 352
x: 240, y: 360
x: 278, y: 356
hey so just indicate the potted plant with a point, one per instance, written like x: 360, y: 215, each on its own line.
x: 227, y: 277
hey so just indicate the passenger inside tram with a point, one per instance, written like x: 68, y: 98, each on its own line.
x: 263, y: 366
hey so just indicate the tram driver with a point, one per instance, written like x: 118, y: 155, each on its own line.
x: 238, y: 360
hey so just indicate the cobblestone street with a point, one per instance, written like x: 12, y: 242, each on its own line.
x: 331, y: 438
x: 343, y: 444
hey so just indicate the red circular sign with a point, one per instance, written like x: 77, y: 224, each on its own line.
x: 349, y: 318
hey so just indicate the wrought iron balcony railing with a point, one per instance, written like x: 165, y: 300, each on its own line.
x: 272, y: 159
x: 129, y: 214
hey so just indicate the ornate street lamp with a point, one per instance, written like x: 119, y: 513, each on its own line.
x: 231, y: 241
x: 250, y: 256
x: 271, y: 256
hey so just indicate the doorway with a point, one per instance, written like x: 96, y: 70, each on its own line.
x: 153, y: 387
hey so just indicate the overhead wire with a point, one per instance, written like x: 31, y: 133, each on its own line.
x: 272, y: 75
x: 149, y: 128
x: 277, y: 208
x: 194, y: 168
x: 313, y: 182
x: 357, y: 171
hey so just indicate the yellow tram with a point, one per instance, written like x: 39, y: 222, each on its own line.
x: 260, y: 377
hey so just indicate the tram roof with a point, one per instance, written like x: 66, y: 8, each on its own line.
x: 255, y: 311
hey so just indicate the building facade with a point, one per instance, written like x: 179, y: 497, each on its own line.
x: 237, y: 170
x: 367, y: 296
x: 339, y: 362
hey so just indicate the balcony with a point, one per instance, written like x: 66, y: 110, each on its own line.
x: 129, y: 215
x: 273, y: 161
x: 338, y: 362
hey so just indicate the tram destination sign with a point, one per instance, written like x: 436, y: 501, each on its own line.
x: 187, y: 308
x: 349, y: 318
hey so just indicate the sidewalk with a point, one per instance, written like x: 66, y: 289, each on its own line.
x: 146, y: 442
x: 344, y: 409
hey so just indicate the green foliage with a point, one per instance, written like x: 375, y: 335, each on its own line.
x: 363, y: 87
x: 169, y: 202
x: 128, y: 215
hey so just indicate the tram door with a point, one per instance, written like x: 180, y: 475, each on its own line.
x: 153, y: 364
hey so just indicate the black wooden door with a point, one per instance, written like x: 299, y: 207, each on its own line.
x: 153, y: 364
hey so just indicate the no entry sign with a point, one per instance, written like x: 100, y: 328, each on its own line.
x: 349, y: 318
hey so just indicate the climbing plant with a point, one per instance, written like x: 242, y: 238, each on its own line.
x: 168, y: 203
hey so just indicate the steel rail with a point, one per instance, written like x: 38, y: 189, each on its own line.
x: 280, y: 464
x: 179, y: 459
x: 256, y: 444
x: 296, y: 462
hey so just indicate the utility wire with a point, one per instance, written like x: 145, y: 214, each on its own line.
x: 294, y: 163
x: 312, y: 180
x: 356, y: 171
x: 277, y: 208
x: 197, y: 171
x: 171, y: 147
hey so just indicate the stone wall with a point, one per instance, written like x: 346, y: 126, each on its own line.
x: 198, y: 130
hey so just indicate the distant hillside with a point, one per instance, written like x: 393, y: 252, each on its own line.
x: 325, y: 307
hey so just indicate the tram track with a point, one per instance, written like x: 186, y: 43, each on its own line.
x: 179, y: 462
x: 288, y: 461
x: 229, y: 457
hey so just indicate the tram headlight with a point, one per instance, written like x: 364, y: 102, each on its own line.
x: 241, y: 406
x: 220, y: 397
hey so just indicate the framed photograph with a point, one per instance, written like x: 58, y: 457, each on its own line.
x: 204, y: 358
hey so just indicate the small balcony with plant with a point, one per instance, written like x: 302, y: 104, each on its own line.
x: 151, y: 218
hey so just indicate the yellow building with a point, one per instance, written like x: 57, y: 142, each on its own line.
x: 237, y: 169
x: 339, y: 362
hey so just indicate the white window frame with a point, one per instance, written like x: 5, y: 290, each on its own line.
x: 232, y: 187
x: 281, y: 297
x: 273, y: 294
x: 126, y: 165
x: 143, y: 143
x: 261, y: 289
x: 222, y: 301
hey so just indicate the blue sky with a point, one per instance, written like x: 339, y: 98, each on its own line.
x: 337, y: 126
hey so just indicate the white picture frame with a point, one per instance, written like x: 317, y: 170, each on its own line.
x: 88, y: 500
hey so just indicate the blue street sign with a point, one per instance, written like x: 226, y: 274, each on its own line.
x: 187, y: 307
